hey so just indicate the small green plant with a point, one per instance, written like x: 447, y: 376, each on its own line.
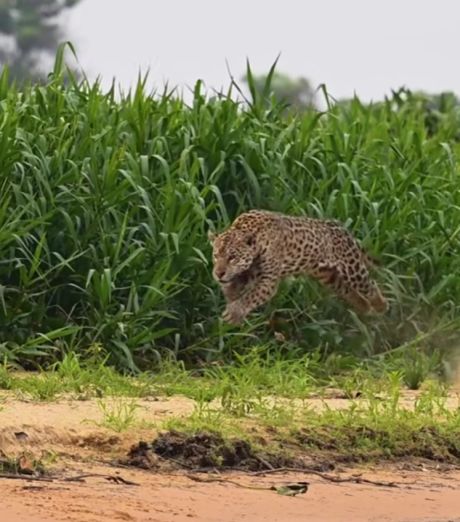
x: 417, y: 367
x: 119, y: 415
x: 40, y: 387
x: 236, y: 403
x: 6, y: 381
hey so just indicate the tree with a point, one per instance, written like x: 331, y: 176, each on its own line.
x: 29, y: 31
x: 296, y: 92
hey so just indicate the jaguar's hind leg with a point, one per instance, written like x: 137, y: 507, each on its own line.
x: 359, y: 291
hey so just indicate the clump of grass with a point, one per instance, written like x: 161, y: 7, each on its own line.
x: 81, y: 381
x: 417, y: 369
x: 119, y: 415
x: 6, y: 381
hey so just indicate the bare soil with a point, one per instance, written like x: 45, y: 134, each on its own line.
x: 66, y: 435
x: 429, y: 496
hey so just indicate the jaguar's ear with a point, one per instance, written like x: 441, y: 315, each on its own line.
x: 211, y: 236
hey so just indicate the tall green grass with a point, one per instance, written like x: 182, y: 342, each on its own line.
x: 105, y: 203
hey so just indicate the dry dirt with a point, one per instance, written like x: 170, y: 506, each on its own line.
x: 66, y: 435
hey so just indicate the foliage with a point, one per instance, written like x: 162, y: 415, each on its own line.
x: 370, y: 428
x: 29, y: 30
x: 119, y: 416
x: 282, y: 406
x: 297, y: 93
x: 105, y: 203
x: 246, y: 380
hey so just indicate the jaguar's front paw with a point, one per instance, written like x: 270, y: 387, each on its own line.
x: 232, y: 291
x: 233, y: 313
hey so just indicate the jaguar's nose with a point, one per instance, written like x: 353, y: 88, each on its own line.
x: 219, y: 273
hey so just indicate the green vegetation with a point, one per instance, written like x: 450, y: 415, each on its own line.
x: 119, y: 416
x: 30, y: 31
x: 69, y: 377
x: 373, y: 428
x: 260, y: 373
x: 297, y: 93
x: 274, y: 403
x: 105, y: 203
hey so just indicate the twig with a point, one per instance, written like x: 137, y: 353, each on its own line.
x: 78, y: 478
x: 24, y: 477
x: 226, y: 481
x: 264, y: 462
x: 288, y: 489
x: 330, y: 478
x: 121, y: 480
x: 112, y: 478
x: 271, y: 469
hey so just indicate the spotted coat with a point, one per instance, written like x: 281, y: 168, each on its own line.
x: 260, y: 248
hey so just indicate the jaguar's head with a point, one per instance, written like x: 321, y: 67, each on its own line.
x: 234, y: 251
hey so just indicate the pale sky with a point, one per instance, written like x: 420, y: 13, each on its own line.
x: 362, y: 46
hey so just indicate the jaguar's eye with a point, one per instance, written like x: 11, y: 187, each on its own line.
x: 231, y: 257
